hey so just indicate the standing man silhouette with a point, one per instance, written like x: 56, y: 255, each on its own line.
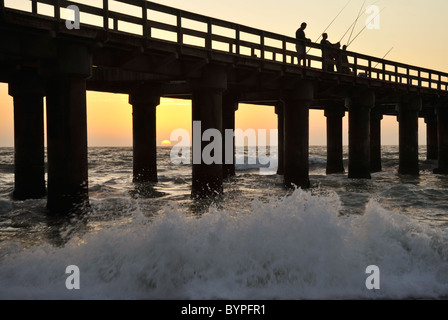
x: 343, y: 64
x: 329, y: 54
x: 300, y: 45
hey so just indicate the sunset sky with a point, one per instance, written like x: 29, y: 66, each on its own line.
x: 416, y: 30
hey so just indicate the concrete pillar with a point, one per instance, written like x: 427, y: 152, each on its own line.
x: 207, y: 112
x: 442, y: 129
x: 279, y: 110
x: 296, y: 131
x: 28, y: 91
x: 230, y: 106
x: 432, y: 141
x: 408, y: 111
x: 375, y: 140
x: 359, y: 106
x: 144, y: 101
x: 334, y: 115
x: 67, y: 129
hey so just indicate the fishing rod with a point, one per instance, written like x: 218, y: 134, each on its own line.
x: 364, y: 27
x: 356, y: 21
x: 332, y: 21
x: 350, y: 27
x: 383, y: 57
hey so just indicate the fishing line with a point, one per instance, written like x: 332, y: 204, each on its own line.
x: 332, y: 21
x: 383, y: 57
x: 365, y: 27
x: 356, y: 21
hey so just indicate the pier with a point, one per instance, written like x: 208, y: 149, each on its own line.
x: 215, y: 63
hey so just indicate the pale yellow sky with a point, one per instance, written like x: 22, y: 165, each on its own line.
x: 414, y: 28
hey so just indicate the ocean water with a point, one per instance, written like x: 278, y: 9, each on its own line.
x: 259, y: 241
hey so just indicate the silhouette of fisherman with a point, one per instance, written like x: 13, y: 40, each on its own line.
x: 329, y: 53
x: 301, y: 45
x: 343, y: 65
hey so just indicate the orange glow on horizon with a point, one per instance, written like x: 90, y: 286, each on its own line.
x: 109, y: 120
x: 109, y: 116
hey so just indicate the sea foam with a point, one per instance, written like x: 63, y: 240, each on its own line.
x: 296, y: 247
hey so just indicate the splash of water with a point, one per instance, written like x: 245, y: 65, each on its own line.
x: 296, y: 247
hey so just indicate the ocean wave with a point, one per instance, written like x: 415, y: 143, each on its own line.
x: 296, y: 247
x: 252, y: 162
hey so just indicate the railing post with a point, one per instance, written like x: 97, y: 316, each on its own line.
x: 237, y: 40
x: 146, y: 29
x: 262, y: 45
x: 306, y: 57
x: 230, y: 45
x: 355, y: 64
x: 179, y: 28
x: 370, y: 69
x: 57, y: 10
x: 439, y: 83
x: 115, y: 24
x: 106, y: 14
x: 396, y: 74
x: 324, y: 59
x: 33, y: 6
x: 384, y: 72
x: 419, y: 79
x: 408, y: 80
x: 208, y: 39
x: 284, y: 49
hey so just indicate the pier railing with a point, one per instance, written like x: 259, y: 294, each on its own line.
x: 155, y: 21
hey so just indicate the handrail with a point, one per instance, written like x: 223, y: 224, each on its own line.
x: 143, y: 17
